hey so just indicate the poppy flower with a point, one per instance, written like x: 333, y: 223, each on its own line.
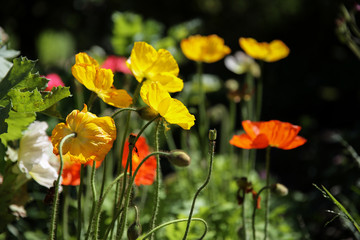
x: 94, y: 136
x: 35, y: 155
x: 206, y: 49
x: 55, y: 81
x: 147, y: 172
x: 99, y: 80
x: 271, y: 133
x: 116, y: 64
x: 155, y: 66
x: 268, y: 52
x: 172, y: 110
x: 241, y: 63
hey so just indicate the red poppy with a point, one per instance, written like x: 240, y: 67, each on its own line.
x: 55, y: 81
x: 147, y: 172
x: 116, y: 64
x: 271, y: 133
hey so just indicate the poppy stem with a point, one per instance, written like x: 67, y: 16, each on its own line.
x: 212, y: 138
x: 259, y: 93
x: 121, y: 110
x: 52, y: 235
x: 93, y: 190
x: 81, y: 187
x: 173, y: 222
x: 255, y: 208
x: 268, y: 195
x: 158, y: 179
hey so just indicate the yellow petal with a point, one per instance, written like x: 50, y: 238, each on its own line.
x: 152, y: 94
x: 116, y: 97
x: 142, y: 58
x: 104, y: 79
x: 85, y: 74
x: 278, y: 51
x: 83, y: 58
x: 169, y: 82
x: 175, y: 112
x: 165, y: 63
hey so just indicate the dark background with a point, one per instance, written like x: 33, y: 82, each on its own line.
x: 316, y: 86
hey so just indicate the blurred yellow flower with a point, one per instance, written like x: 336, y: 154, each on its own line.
x: 207, y: 49
x: 172, y: 110
x: 155, y: 66
x: 94, y: 136
x: 99, y: 80
x: 268, y: 52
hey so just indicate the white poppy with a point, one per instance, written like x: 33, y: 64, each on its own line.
x: 241, y: 63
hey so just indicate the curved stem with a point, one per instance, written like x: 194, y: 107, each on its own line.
x: 158, y: 179
x: 93, y: 190
x: 176, y: 221
x: 122, y: 110
x: 268, y: 195
x: 212, y: 150
x: 254, y: 210
x: 57, y: 183
x: 81, y: 187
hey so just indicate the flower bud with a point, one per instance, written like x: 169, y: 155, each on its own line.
x: 212, y: 135
x: 147, y: 113
x: 179, y: 158
x: 280, y: 189
x: 134, y: 231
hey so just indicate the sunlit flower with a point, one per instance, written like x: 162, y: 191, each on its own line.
x: 99, y: 80
x: 35, y: 155
x: 94, y: 136
x: 268, y: 52
x: 55, y: 81
x: 271, y: 133
x: 155, y: 66
x: 206, y: 49
x: 116, y: 64
x: 172, y: 110
x: 147, y: 171
x: 241, y: 63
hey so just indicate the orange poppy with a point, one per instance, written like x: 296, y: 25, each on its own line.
x: 272, y: 133
x: 147, y: 172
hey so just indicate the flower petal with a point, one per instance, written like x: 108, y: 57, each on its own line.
x: 246, y: 142
x: 116, y: 97
x: 298, y: 141
x: 278, y: 50
x: 175, y: 112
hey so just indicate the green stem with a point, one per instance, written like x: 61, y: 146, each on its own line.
x: 249, y: 79
x: 65, y: 213
x: 254, y: 210
x: 243, y: 215
x: 93, y: 190
x: 176, y: 221
x: 52, y: 234
x: 81, y: 187
x: 259, y: 94
x: 203, y: 123
x: 122, y: 110
x: 91, y: 100
x: 158, y: 181
x: 212, y: 150
x: 268, y: 195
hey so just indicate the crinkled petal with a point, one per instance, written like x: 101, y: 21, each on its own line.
x: 246, y: 142
x: 85, y: 74
x: 169, y: 82
x: 104, y: 79
x: 83, y: 58
x: 298, y: 141
x: 46, y: 172
x: 175, y: 112
x: 251, y: 128
x: 165, y: 63
x: 152, y: 94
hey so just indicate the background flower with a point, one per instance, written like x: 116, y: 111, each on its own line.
x: 272, y: 133
x: 207, y: 49
x: 147, y: 171
x: 55, y: 81
x: 241, y: 63
x: 116, y: 64
x: 268, y: 52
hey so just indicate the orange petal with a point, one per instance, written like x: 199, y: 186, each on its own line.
x: 298, y: 141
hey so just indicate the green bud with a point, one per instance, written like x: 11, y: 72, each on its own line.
x: 147, y: 113
x: 280, y: 189
x: 134, y: 231
x: 179, y: 158
x: 212, y: 135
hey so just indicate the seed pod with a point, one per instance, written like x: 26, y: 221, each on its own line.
x: 280, y: 189
x: 179, y: 158
x: 147, y: 113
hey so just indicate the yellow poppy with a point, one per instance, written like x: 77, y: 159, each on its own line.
x: 99, y: 80
x: 155, y: 66
x: 172, y: 110
x: 268, y: 52
x: 207, y: 49
x: 94, y: 136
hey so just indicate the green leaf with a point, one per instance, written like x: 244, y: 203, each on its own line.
x: 4, y: 114
x: 34, y: 101
x: 20, y: 77
x: 17, y: 122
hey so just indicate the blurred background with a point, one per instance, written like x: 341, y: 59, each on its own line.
x: 317, y: 86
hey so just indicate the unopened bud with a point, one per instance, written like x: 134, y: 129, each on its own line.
x: 212, y: 135
x: 179, y: 158
x: 147, y: 113
x: 134, y: 231
x: 280, y: 189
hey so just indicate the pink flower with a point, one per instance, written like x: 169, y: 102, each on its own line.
x: 116, y: 64
x: 55, y: 81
